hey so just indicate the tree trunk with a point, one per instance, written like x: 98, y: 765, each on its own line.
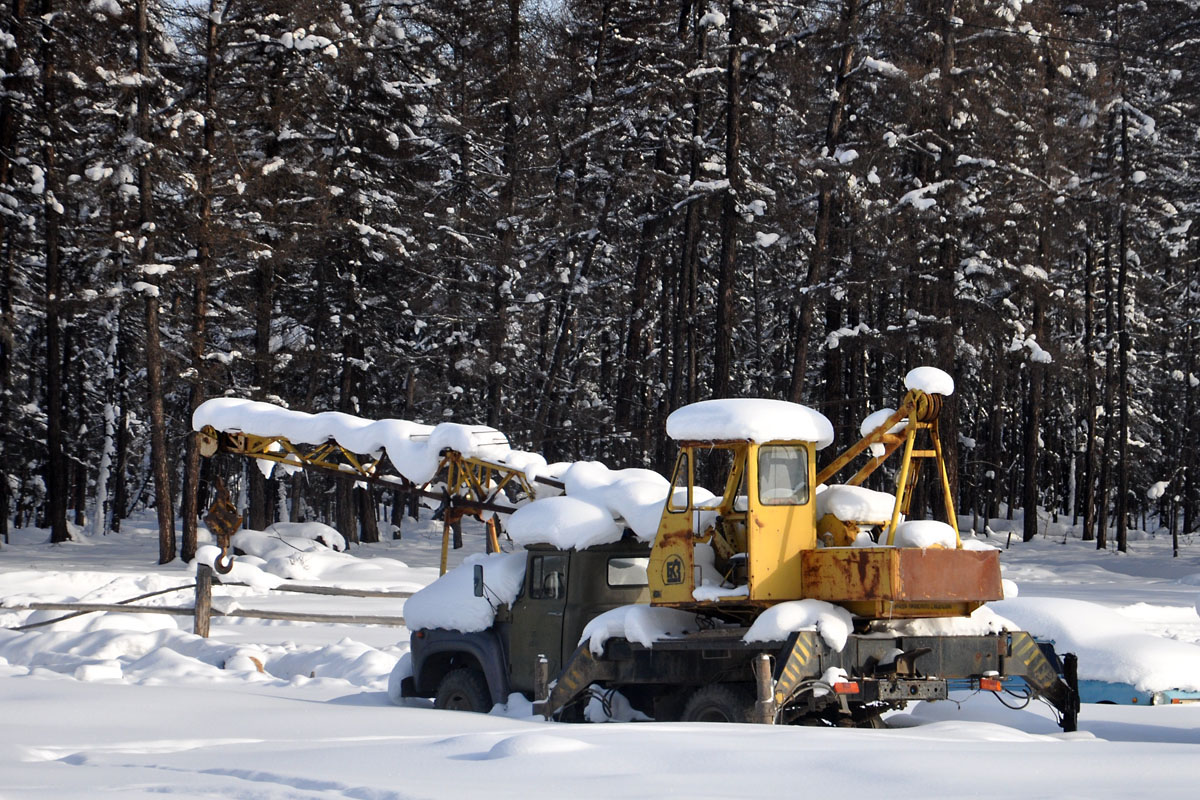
x: 189, y: 506
x: 368, y: 515
x: 631, y: 363
x: 56, y: 464
x: 9, y: 126
x: 120, y: 499
x: 154, y: 351
x: 508, y: 205
x: 1122, y: 321
x: 1033, y: 422
x: 818, y: 265
x: 1110, y: 325
x: 722, y: 383
x: 347, y: 496
x: 683, y: 340
x: 261, y: 502
x: 1190, y: 468
x: 947, y: 356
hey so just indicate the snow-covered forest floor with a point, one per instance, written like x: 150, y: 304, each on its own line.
x: 131, y: 705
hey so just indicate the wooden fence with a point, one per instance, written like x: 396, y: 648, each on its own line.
x: 202, y: 610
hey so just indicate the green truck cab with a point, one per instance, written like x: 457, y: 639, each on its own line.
x: 563, y: 590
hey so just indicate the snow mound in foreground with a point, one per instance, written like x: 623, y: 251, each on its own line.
x: 1110, y: 647
x: 535, y: 744
x: 103, y: 651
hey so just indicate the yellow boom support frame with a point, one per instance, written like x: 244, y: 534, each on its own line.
x: 466, y: 485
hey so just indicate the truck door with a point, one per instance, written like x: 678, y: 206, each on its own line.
x: 537, y: 619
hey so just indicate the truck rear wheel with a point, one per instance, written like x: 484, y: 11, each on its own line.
x: 719, y: 702
x: 463, y: 689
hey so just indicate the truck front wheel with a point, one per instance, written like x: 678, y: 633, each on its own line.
x: 463, y: 689
x: 719, y: 702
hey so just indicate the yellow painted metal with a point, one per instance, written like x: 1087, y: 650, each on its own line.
x: 833, y: 532
x: 947, y: 497
x: 769, y: 534
x: 671, y: 572
x: 902, y: 481
x: 891, y: 443
x: 777, y: 534
x: 783, y: 561
x: 473, y: 485
x: 880, y: 434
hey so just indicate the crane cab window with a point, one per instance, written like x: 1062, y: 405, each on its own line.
x: 783, y: 475
x: 548, y: 578
x: 679, y: 498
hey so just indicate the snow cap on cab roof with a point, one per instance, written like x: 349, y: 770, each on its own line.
x: 755, y: 419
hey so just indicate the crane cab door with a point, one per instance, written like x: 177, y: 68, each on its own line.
x: 537, y: 619
x: 782, y: 518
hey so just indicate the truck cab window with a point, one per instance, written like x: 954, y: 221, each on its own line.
x: 626, y: 571
x: 548, y: 578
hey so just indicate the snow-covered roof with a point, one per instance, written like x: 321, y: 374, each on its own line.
x: 565, y: 522
x: 749, y: 418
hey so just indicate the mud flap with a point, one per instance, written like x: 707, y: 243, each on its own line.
x: 581, y: 671
x: 1059, y: 689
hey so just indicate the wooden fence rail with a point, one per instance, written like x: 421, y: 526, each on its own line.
x: 202, y: 611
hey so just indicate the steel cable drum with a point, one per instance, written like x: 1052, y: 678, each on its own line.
x: 926, y: 407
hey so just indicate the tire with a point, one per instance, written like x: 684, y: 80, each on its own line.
x: 463, y: 689
x: 719, y: 702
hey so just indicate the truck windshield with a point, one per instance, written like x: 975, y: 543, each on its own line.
x: 782, y: 475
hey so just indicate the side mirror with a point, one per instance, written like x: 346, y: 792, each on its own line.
x: 479, y: 580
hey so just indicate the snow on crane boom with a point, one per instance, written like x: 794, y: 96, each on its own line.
x: 471, y: 469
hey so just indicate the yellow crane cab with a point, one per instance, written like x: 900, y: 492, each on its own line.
x: 751, y: 538
x: 738, y: 546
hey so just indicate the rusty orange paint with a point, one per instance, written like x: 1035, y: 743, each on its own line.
x: 902, y: 582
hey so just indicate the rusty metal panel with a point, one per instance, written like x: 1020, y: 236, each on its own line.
x: 949, y: 575
x: 847, y: 574
x: 905, y: 577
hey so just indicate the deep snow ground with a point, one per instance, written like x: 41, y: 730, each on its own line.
x: 135, y: 706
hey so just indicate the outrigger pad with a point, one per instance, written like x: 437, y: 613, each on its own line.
x: 1057, y: 683
x: 581, y: 671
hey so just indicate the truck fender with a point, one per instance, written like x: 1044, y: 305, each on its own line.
x: 435, y: 652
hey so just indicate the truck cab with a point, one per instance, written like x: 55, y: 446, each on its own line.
x: 562, y: 591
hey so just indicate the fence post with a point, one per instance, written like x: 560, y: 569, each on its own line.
x: 204, y: 574
x: 541, y: 685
